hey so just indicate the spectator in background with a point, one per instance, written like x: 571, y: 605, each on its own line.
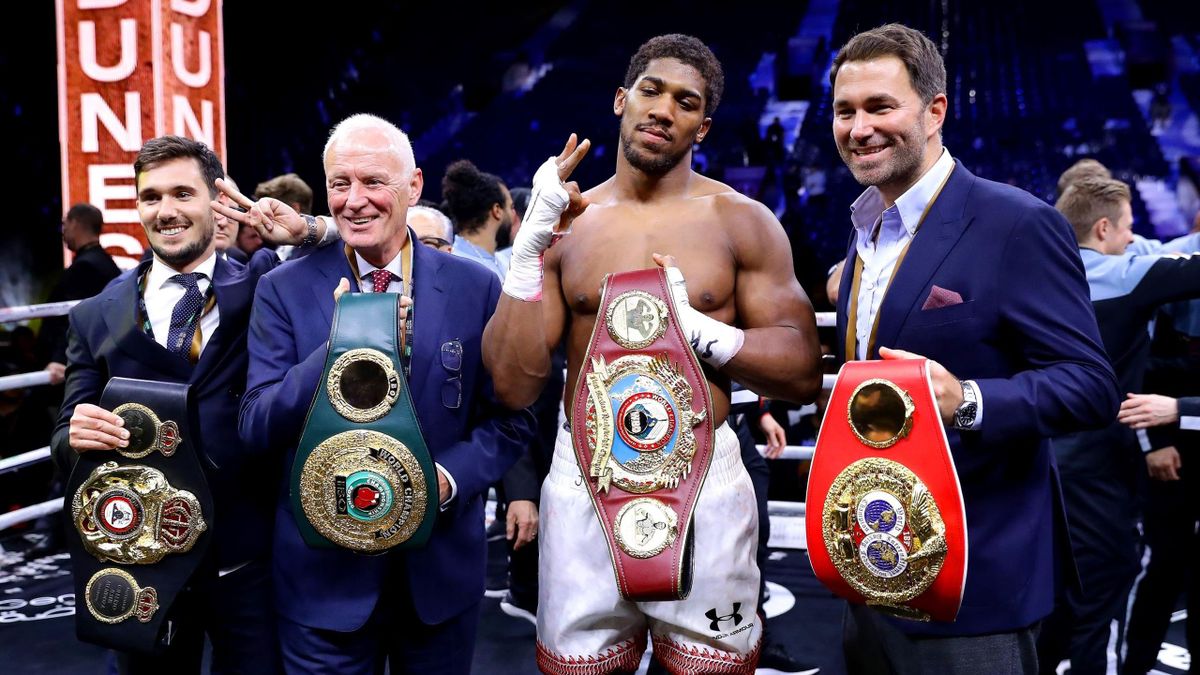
x: 225, y: 232
x: 482, y: 210
x: 91, y: 269
x: 1169, y: 520
x: 774, y: 142
x: 291, y: 190
x: 1084, y: 168
x: 520, y: 200
x: 1098, y: 469
x: 248, y: 239
x: 432, y: 227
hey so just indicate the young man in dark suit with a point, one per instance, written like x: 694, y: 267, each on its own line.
x: 182, y: 317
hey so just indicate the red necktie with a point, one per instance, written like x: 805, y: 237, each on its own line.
x: 381, y: 279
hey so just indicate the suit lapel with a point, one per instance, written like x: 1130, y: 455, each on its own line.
x: 941, y: 230
x: 121, y: 317
x: 331, y: 267
x: 233, y: 295
x: 845, y: 287
x: 430, y: 290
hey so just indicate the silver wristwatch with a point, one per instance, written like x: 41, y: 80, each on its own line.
x: 964, y: 415
x: 311, y: 238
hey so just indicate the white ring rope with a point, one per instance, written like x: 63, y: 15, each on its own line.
x: 24, y: 312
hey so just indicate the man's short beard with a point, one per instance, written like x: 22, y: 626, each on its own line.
x: 907, y: 159
x: 504, y: 236
x: 654, y: 165
x: 186, y: 255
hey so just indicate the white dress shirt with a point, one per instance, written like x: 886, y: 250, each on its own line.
x: 162, y: 294
x: 883, y: 233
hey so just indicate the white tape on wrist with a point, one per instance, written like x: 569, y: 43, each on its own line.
x: 713, y: 341
x: 548, y: 201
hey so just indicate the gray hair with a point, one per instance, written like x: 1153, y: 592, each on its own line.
x: 436, y: 215
x: 397, y: 140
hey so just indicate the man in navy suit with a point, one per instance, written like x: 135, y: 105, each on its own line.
x: 137, y: 327
x: 985, y: 281
x: 342, y: 612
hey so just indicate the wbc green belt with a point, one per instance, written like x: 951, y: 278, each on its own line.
x: 363, y: 478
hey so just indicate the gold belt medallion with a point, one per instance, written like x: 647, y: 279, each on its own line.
x: 635, y: 319
x: 640, y: 423
x: 363, y: 490
x: 112, y: 595
x: 363, y: 386
x: 645, y: 527
x: 884, y: 533
x: 132, y: 515
x: 146, y: 432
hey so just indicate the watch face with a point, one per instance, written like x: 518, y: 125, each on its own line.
x: 965, y: 415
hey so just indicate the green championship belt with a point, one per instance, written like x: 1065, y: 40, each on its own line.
x: 363, y: 478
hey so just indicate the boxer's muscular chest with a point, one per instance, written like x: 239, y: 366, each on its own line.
x: 613, y: 239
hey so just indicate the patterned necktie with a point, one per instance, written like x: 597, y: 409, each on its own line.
x: 185, y: 318
x: 381, y: 280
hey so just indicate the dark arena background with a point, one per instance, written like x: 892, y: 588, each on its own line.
x: 1032, y: 87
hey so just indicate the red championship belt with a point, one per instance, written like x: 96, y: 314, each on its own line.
x: 643, y: 434
x: 886, y: 524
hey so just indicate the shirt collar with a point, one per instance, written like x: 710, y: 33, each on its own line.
x: 394, y: 266
x: 161, y: 272
x: 464, y: 246
x: 866, y: 211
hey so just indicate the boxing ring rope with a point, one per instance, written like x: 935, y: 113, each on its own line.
x: 35, y: 378
x: 26, y: 312
x: 24, y: 459
x: 41, y: 377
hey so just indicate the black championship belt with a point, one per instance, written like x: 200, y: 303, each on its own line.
x: 141, y: 515
x: 886, y: 524
x: 643, y: 435
x: 363, y: 478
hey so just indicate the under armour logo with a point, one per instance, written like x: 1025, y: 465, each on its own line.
x: 705, y: 352
x: 735, y: 615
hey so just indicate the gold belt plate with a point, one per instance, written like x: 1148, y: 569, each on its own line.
x: 132, y: 515
x: 364, y: 490
x: 884, y: 533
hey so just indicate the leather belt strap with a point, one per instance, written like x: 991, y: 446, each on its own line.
x: 363, y: 478
x: 142, y: 516
x: 643, y: 434
x: 884, y: 499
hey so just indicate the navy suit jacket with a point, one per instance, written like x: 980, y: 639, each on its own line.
x: 1026, y: 333
x: 106, y: 340
x: 337, y: 589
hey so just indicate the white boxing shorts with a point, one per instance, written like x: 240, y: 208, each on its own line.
x: 585, y: 626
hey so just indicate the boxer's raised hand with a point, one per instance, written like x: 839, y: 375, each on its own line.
x: 553, y: 206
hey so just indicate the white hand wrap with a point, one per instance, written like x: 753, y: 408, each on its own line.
x: 547, y: 203
x: 714, y: 342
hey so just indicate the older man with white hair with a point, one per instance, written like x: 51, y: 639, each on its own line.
x: 432, y: 227
x: 340, y: 611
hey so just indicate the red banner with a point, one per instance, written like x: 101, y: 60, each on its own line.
x: 128, y: 71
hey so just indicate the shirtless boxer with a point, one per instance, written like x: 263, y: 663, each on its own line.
x: 745, y: 314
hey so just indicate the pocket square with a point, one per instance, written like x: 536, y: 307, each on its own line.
x: 941, y: 297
